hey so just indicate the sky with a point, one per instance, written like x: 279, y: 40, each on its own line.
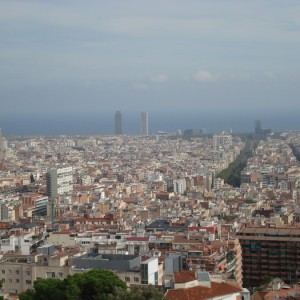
x: 96, y: 57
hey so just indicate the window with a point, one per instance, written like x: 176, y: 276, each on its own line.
x: 50, y: 275
x: 10, y: 280
x: 136, y: 279
x: 3, y: 271
x: 17, y: 280
x: 60, y: 274
x: 28, y: 273
x: 127, y: 279
x: 17, y: 272
x: 28, y: 282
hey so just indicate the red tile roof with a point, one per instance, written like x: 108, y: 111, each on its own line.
x: 137, y: 239
x: 184, y: 276
x: 217, y: 289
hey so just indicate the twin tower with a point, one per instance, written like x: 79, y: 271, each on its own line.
x: 144, y: 123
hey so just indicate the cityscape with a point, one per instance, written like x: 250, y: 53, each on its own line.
x: 149, y: 150
x: 168, y: 209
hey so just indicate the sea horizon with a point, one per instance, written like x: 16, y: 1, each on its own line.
x: 31, y: 124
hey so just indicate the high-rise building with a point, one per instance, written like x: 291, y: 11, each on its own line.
x: 1, y: 147
x: 257, y: 126
x: 118, y: 123
x: 59, y: 181
x: 222, y: 141
x: 144, y: 129
x: 273, y: 252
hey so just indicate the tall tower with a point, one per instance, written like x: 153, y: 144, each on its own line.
x: 118, y: 123
x: 257, y: 126
x: 59, y: 181
x: 51, y: 183
x: 144, y: 129
x: 1, y: 147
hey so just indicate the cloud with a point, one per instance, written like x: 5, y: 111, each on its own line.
x: 160, y: 78
x: 204, y: 76
x: 140, y: 86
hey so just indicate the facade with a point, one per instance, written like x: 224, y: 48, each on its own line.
x: 222, y: 141
x: 4, y: 212
x: 179, y: 185
x: 149, y: 271
x: 34, y: 205
x: 118, y: 123
x: 59, y: 181
x: 144, y: 126
x: 23, y: 238
x: 271, y: 252
x: 18, y: 272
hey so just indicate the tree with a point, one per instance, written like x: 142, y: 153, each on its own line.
x: 148, y: 293
x: 93, y: 285
x: 1, y: 298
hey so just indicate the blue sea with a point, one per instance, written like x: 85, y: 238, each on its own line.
x: 103, y: 123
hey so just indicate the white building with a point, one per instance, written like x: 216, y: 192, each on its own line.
x: 149, y: 271
x: 222, y: 141
x: 59, y: 181
x: 179, y: 186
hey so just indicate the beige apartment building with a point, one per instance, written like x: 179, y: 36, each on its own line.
x: 18, y: 272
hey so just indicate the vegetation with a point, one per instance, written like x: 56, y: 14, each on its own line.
x: 229, y: 218
x: 93, y: 285
x: 249, y: 201
x: 1, y: 298
x: 232, y: 175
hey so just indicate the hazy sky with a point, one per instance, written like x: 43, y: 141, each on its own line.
x: 158, y: 55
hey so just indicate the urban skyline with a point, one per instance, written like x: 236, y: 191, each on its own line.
x: 74, y: 59
x: 150, y: 143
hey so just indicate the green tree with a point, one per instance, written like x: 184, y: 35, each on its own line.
x: 149, y: 293
x: 1, y: 298
x: 93, y: 285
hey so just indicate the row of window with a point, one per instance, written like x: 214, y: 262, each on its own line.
x: 14, y: 281
x: 11, y: 272
x: 52, y: 274
x: 135, y: 279
x: 14, y: 272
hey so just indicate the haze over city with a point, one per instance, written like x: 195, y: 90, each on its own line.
x: 149, y: 149
x: 213, y: 64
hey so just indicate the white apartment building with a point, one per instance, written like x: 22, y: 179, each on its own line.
x: 179, y: 186
x: 59, y: 181
x: 222, y: 141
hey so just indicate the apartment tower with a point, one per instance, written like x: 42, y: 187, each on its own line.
x: 269, y: 252
x: 59, y: 181
x: 118, y: 123
x: 258, y: 127
x: 144, y: 129
x: 1, y: 147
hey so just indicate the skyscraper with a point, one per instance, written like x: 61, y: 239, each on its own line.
x: 144, y: 129
x: 118, y: 123
x: 258, y: 127
x: 1, y: 147
x: 59, y: 181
